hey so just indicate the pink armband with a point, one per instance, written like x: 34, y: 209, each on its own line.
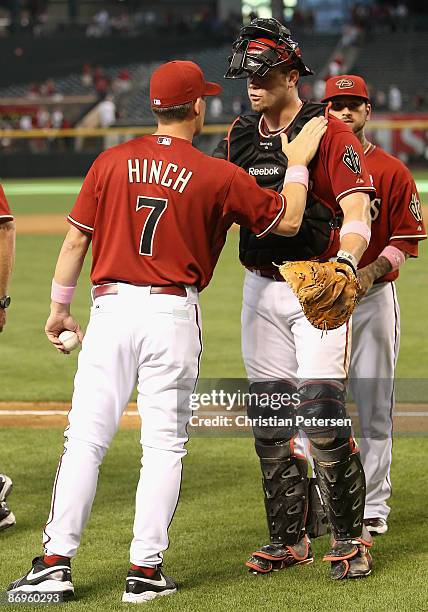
x: 356, y: 227
x: 297, y: 174
x: 61, y: 294
x: 395, y: 256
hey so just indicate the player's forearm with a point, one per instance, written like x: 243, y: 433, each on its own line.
x: 7, y: 254
x: 379, y: 267
x: 70, y: 261
x: 295, y: 197
x: 356, y: 208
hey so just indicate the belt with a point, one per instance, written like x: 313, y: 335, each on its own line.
x: 112, y: 289
x: 270, y: 273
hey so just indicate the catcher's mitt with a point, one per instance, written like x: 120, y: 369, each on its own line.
x: 327, y: 291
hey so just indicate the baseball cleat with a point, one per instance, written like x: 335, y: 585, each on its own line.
x: 6, y: 486
x: 45, y: 578
x: 7, y: 518
x: 376, y: 525
x: 145, y: 583
x: 351, y: 558
x: 274, y: 557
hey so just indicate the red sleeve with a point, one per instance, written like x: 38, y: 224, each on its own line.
x: 5, y: 214
x: 251, y: 206
x: 405, y: 218
x: 84, y: 210
x: 343, y: 158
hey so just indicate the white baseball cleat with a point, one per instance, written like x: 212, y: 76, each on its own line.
x: 5, y: 487
x: 376, y: 525
x: 7, y: 518
x: 44, y: 578
x: 145, y: 584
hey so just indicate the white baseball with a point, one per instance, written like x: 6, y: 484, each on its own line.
x: 69, y: 340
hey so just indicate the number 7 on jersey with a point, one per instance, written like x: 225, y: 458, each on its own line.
x: 158, y: 207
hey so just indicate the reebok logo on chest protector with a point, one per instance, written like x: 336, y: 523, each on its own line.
x: 264, y: 171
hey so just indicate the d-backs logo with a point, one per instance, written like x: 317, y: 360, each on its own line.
x: 415, y: 208
x: 345, y: 83
x: 351, y: 159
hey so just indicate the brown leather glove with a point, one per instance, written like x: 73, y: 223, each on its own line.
x: 327, y: 291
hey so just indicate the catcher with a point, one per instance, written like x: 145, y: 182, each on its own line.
x: 284, y: 350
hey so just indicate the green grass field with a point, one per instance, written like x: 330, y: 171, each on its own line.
x: 220, y: 518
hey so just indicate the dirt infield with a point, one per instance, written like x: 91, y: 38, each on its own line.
x: 41, y: 224
x: 408, y: 418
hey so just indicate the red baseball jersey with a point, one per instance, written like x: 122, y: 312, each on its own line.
x: 396, y: 211
x: 5, y: 214
x: 159, y: 210
x: 339, y: 167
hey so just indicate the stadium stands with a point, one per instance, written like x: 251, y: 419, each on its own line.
x: 316, y: 50
x: 134, y: 108
x: 395, y: 59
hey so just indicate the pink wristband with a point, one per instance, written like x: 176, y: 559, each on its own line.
x: 395, y: 256
x: 356, y: 227
x: 297, y: 174
x: 61, y: 294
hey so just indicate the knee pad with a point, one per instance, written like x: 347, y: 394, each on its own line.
x: 322, y: 414
x: 285, y: 486
x: 272, y: 408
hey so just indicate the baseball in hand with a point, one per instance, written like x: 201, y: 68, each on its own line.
x: 69, y: 340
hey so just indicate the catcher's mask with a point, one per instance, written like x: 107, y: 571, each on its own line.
x: 262, y: 45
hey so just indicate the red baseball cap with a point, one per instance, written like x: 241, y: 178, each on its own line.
x: 178, y: 82
x: 345, y: 85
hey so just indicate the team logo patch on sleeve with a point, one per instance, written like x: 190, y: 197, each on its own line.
x: 351, y: 159
x: 415, y: 208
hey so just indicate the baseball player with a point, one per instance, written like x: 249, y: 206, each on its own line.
x: 397, y: 227
x: 7, y: 255
x: 156, y: 211
x: 281, y: 350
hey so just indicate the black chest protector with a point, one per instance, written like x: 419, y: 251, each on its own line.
x: 263, y: 158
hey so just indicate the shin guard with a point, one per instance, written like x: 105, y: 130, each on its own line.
x: 285, y: 486
x: 343, y: 488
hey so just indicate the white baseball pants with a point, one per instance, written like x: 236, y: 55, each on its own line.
x: 133, y: 337
x: 375, y: 345
x: 278, y: 342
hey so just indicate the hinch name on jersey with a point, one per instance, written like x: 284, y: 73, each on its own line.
x: 159, y: 173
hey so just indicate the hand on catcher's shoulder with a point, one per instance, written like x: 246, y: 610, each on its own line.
x: 302, y: 149
x: 327, y: 292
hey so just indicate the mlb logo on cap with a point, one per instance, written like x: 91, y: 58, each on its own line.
x: 157, y: 102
